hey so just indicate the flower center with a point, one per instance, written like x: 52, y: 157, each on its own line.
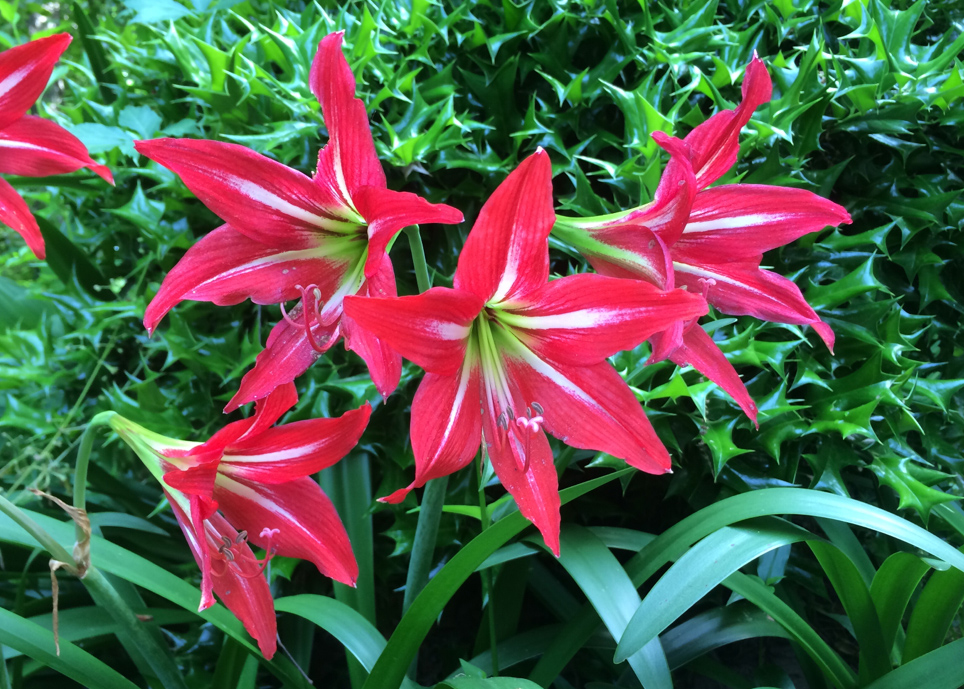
x: 236, y: 553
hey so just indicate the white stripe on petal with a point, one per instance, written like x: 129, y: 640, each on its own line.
x: 12, y: 79
x: 734, y: 222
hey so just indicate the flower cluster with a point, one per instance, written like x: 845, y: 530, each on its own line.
x: 509, y: 354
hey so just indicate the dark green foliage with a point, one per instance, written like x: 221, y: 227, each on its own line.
x: 867, y: 110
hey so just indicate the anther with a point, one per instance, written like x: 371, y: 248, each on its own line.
x: 538, y: 408
x: 227, y: 541
x: 242, y: 536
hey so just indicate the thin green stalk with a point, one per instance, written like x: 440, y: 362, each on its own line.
x: 487, y: 575
x: 418, y: 258
x: 423, y: 549
x: 83, y: 461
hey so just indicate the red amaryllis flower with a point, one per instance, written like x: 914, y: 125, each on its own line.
x: 290, y: 236
x: 508, y: 353
x: 711, y: 241
x: 250, y: 484
x: 29, y: 145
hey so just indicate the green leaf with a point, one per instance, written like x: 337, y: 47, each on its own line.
x: 33, y: 640
x: 936, y: 608
x: 488, y: 683
x: 859, y: 606
x: 140, y: 119
x: 939, y: 669
x: 891, y: 591
x: 100, y: 138
x: 600, y: 576
x: 156, y: 11
x: 353, y: 631
x: 702, y: 568
x: 71, y: 263
x: 417, y: 621
x: 715, y: 628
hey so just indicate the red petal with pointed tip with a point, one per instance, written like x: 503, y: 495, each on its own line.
x: 743, y: 289
x: 302, y: 448
x: 535, y: 489
x: 35, y: 147
x: 430, y: 329
x: 287, y: 354
x: 446, y: 426
x: 240, y: 585
x: 197, y: 481
x: 700, y: 352
x: 667, y: 214
x: 592, y: 408
x: 226, y: 267
x: 309, y: 528
x: 15, y: 214
x: 715, y: 143
x: 24, y: 73
x: 387, y: 212
x: 632, y: 252
x: 507, y: 251
x: 261, y: 198
x: 736, y: 222
x: 584, y: 319
x: 349, y: 161
x: 384, y: 363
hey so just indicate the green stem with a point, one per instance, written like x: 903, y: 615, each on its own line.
x: 423, y: 549
x: 418, y: 258
x: 83, y: 461
x: 487, y: 575
x: 4, y: 677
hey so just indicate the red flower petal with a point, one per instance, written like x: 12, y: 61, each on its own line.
x: 239, y: 583
x: 667, y: 213
x: 287, y: 354
x: 715, y: 143
x: 35, y: 147
x: 384, y: 363
x: 446, y: 426
x: 24, y: 73
x: 631, y: 252
x: 430, y: 329
x: 507, y: 252
x: 14, y: 213
x: 592, y: 408
x: 302, y: 448
x: 583, y: 319
x: 743, y: 289
x: 226, y: 267
x: 387, y: 212
x: 736, y: 222
x: 349, y: 161
x: 699, y: 351
x: 261, y: 198
x: 308, y: 526
x: 524, y: 465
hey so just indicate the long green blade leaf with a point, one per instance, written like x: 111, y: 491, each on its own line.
x: 600, y: 576
x: 33, y: 640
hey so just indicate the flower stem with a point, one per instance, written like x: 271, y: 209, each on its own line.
x: 418, y: 258
x: 487, y: 574
x: 83, y: 461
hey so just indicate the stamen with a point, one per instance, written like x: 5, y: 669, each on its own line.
x: 242, y: 536
x: 705, y: 284
x: 538, y: 408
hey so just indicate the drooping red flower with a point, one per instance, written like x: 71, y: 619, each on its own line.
x: 711, y: 240
x: 250, y: 483
x: 289, y: 236
x: 509, y: 353
x: 31, y: 146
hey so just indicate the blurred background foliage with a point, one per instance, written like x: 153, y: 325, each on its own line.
x: 867, y: 110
